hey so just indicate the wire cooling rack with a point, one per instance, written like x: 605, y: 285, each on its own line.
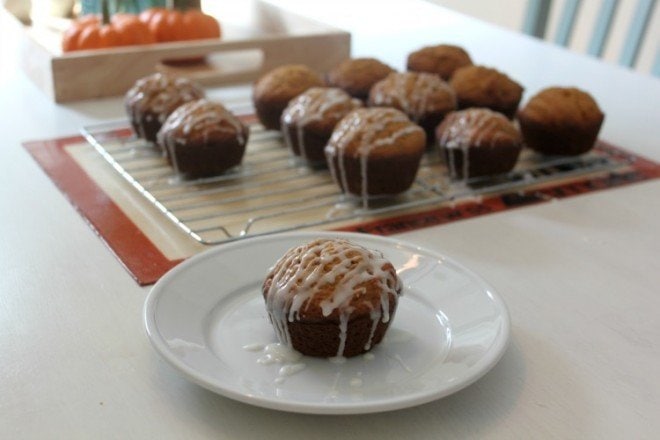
x: 272, y: 191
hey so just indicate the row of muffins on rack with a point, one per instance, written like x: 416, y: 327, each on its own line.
x: 469, y: 111
x: 369, y: 123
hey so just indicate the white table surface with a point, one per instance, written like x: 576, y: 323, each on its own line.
x: 580, y: 276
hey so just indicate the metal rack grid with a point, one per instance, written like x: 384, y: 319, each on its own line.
x: 274, y: 192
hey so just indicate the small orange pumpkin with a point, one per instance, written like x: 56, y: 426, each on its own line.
x: 89, y: 33
x: 174, y: 25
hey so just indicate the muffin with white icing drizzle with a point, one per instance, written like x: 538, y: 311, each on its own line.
x: 424, y: 97
x: 309, y: 119
x: 331, y: 297
x: 151, y: 100
x: 478, y: 142
x: 273, y: 91
x: 202, y: 138
x: 375, y: 151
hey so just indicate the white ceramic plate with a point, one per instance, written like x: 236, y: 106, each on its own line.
x: 450, y: 329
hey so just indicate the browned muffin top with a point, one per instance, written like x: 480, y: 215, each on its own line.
x: 485, y: 87
x: 416, y: 94
x: 319, y: 107
x: 200, y: 121
x: 562, y: 107
x: 329, y: 280
x: 442, y: 60
x: 160, y: 94
x: 475, y: 128
x: 376, y: 132
x: 357, y: 75
x: 285, y: 82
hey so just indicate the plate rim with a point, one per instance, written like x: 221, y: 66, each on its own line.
x: 486, y: 363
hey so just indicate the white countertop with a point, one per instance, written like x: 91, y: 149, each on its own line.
x: 580, y: 277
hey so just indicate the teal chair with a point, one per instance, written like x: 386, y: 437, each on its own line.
x: 536, y: 20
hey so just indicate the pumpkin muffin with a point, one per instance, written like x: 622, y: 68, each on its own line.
x: 151, y: 100
x: 331, y: 297
x: 424, y: 97
x: 478, y: 142
x: 273, y: 91
x: 442, y: 59
x: 203, y: 138
x: 310, y: 118
x: 375, y: 151
x: 478, y: 86
x: 561, y: 120
x: 357, y: 75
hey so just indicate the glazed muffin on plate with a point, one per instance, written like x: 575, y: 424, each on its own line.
x: 331, y: 298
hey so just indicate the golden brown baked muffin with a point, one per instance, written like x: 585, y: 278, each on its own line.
x: 478, y: 86
x: 309, y: 119
x: 357, y: 75
x: 330, y: 297
x: 375, y: 151
x: 561, y: 120
x: 151, y: 100
x: 442, y: 59
x: 202, y: 138
x: 424, y: 97
x: 273, y: 91
x: 478, y: 142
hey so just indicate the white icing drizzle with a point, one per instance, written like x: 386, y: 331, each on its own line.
x: 375, y: 317
x: 467, y: 129
x: 343, y: 326
x: 291, y: 369
x: 337, y: 360
x: 254, y: 347
x: 277, y: 353
x: 316, y: 104
x: 403, y: 364
x: 303, y: 272
x: 364, y: 127
x: 415, y: 93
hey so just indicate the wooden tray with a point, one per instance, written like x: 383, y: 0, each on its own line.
x: 266, y: 37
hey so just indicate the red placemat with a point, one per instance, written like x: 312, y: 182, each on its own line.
x: 147, y: 263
